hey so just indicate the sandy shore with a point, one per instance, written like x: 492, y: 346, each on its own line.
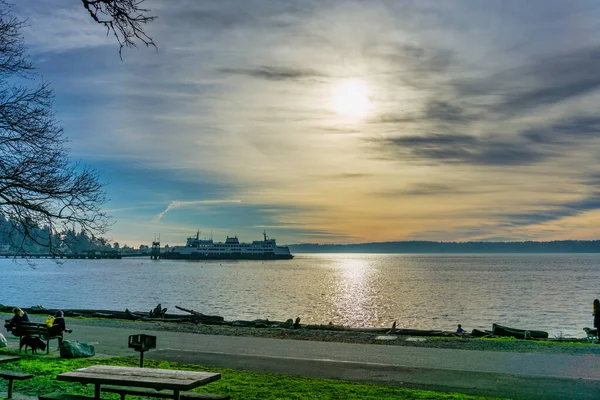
x: 452, y: 342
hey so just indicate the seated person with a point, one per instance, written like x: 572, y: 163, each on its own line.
x: 58, y: 325
x: 20, y: 316
x: 460, y: 329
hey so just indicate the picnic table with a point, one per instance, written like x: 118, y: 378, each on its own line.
x: 5, y: 359
x: 11, y: 376
x: 159, y: 379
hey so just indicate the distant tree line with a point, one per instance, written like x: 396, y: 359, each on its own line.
x: 13, y: 241
x: 557, y: 246
x: 39, y: 239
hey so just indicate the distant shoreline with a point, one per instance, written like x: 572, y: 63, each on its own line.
x: 430, y: 247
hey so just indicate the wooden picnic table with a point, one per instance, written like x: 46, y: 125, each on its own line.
x: 158, y: 379
x: 5, y: 359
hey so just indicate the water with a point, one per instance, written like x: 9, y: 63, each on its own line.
x: 535, y: 291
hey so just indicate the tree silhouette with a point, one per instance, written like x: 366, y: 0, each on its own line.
x: 43, y: 195
x: 39, y: 185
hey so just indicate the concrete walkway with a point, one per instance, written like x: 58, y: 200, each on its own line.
x: 514, y: 375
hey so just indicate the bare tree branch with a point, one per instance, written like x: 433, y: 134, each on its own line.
x: 125, y: 19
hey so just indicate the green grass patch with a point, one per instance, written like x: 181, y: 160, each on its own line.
x: 238, y: 384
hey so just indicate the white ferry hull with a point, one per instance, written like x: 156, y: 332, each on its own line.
x: 174, y: 255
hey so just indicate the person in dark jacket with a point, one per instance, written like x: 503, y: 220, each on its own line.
x: 58, y: 326
x: 20, y: 316
x: 596, y: 309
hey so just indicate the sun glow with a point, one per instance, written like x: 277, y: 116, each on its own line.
x: 351, y: 98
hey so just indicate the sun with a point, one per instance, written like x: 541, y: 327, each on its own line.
x: 351, y: 98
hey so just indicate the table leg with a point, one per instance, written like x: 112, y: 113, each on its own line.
x: 176, y: 394
x: 97, y: 391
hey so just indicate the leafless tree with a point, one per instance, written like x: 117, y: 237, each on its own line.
x: 125, y: 19
x: 39, y: 186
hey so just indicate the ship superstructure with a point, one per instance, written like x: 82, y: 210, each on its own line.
x: 199, y: 249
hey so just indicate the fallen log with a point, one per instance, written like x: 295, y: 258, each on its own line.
x: 481, y: 333
x: 500, y: 330
x: 199, y: 314
x: 202, y: 318
x: 148, y: 319
x: 104, y: 315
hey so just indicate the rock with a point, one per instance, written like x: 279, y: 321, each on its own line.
x: 386, y: 337
x: 75, y: 349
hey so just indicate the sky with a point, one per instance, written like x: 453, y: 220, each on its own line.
x: 335, y: 121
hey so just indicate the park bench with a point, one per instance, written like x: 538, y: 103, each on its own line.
x: 147, y: 392
x: 33, y: 329
x: 13, y: 376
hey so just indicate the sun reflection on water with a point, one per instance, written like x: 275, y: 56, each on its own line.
x: 353, y: 291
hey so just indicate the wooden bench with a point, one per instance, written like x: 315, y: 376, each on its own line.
x: 33, y: 329
x: 135, y: 391
x: 13, y: 376
x: 64, y: 396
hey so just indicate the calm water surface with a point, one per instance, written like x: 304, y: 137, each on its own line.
x: 548, y: 292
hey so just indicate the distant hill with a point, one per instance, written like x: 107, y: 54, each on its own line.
x: 424, y: 247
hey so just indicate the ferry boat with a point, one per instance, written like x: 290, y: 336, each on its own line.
x: 205, y: 249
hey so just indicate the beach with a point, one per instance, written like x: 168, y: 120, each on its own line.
x: 449, y: 341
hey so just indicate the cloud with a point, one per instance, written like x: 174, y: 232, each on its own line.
x: 545, y: 81
x: 424, y: 189
x: 399, y: 118
x: 180, y: 204
x: 59, y: 26
x: 554, y: 212
x: 273, y: 73
x: 458, y: 149
x: 443, y: 111
x: 350, y: 175
x: 567, y: 131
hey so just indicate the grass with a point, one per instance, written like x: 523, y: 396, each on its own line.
x: 238, y: 384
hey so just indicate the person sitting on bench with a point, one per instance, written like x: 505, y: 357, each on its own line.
x: 20, y: 316
x: 58, y: 325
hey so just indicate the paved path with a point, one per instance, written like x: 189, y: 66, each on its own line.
x: 515, y: 375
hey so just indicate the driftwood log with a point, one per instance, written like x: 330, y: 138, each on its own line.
x: 198, y: 317
x: 158, y: 312
x: 203, y: 319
